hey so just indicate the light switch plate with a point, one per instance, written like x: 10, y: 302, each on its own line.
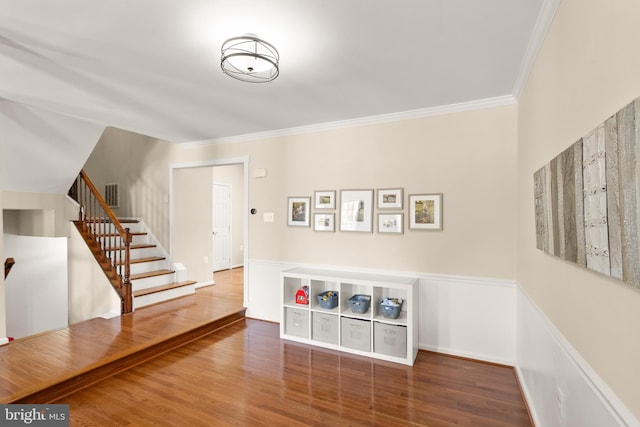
x: 268, y: 217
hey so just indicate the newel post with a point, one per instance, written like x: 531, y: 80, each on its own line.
x: 127, y: 295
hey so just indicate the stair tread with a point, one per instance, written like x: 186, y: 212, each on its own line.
x: 147, y: 274
x: 142, y: 260
x: 161, y: 288
x: 140, y: 246
x: 107, y: 220
x: 146, y: 259
x: 133, y: 233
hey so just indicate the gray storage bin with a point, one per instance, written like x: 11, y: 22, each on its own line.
x: 328, y: 299
x: 390, y: 339
x: 356, y: 333
x: 325, y: 327
x: 297, y: 322
x: 360, y: 303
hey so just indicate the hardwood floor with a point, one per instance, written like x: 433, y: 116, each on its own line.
x: 245, y: 375
x: 38, y: 368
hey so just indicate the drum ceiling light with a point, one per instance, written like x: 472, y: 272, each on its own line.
x: 250, y: 59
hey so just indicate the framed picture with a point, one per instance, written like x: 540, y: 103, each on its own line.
x: 324, y: 222
x: 390, y: 198
x: 356, y: 210
x: 298, y: 211
x: 425, y: 211
x: 325, y: 199
x: 390, y: 223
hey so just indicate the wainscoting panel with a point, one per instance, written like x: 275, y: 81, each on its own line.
x: 468, y: 317
x: 460, y: 316
x: 560, y: 387
x: 264, y: 289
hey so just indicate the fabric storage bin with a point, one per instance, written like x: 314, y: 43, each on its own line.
x: 297, y: 322
x: 390, y: 339
x: 324, y: 327
x: 356, y: 333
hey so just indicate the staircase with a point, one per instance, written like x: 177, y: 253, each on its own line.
x: 131, y: 258
x: 153, y: 279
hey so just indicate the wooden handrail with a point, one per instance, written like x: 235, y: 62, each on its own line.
x: 113, y: 246
x: 114, y: 219
x: 8, y: 264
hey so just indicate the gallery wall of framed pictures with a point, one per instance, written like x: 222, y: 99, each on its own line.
x: 356, y: 209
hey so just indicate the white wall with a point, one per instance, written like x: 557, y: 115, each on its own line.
x: 47, y: 149
x: 39, y: 214
x: 586, y: 70
x: 90, y: 292
x: 36, y: 290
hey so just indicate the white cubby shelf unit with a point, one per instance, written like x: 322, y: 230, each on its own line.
x: 370, y: 333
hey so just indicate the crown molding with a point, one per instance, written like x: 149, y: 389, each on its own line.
x: 543, y: 23
x: 364, y: 121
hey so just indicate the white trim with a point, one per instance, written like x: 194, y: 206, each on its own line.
x: 543, y: 23
x: 421, y: 276
x: 470, y: 280
x: 110, y: 315
x: 498, y: 101
x: 618, y: 410
x: 4, y: 341
x: 469, y: 355
x: 203, y: 284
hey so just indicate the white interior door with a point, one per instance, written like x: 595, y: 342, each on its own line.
x: 221, y: 226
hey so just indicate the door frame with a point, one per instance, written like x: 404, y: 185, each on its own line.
x: 244, y: 161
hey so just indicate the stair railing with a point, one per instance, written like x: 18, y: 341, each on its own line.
x: 111, y: 238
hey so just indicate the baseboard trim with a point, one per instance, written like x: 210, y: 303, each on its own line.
x: 203, y: 284
x: 467, y: 355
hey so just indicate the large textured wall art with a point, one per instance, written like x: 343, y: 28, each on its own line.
x: 587, y: 199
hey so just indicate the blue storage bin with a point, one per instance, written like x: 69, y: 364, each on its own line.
x: 360, y: 303
x: 391, y: 307
x: 328, y: 299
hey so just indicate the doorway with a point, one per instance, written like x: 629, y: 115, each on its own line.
x: 192, y: 239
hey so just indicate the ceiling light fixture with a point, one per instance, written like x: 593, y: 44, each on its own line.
x: 250, y: 59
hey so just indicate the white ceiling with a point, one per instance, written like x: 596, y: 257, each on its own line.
x: 153, y: 66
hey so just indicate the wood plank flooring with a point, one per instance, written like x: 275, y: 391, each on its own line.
x: 244, y: 375
x: 38, y: 368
